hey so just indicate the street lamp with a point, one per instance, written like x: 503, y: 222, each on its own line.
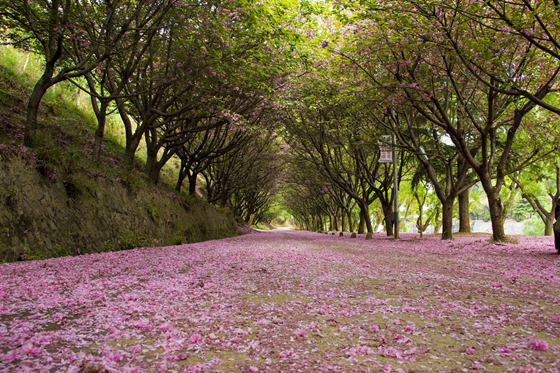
x: 388, y: 155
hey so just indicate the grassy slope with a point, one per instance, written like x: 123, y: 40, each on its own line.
x: 67, y: 126
x: 66, y: 135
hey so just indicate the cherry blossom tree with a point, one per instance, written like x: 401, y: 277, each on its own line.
x: 532, y: 25
x: 542, y: 191
x: 246, y: 178
x: 427, y: 71
x: 200, y: 149
x: 73, y: 37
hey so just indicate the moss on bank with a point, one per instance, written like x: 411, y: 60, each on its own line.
x: 56, y: 200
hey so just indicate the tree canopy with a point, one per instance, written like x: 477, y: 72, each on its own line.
x: 294, y: 98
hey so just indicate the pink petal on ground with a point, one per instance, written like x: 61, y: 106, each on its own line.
x: 11, y: 356
x: 194, y: 338
x: 477, y: 365
x: 538, y: 345
x: 300, y: 333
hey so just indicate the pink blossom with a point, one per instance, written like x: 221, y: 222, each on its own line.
x: 300, y: 333
x: 477, y: 365
x: 11, y: 356
x: 136, y: 349
x: 30, y: 350
x: 132, y: 370
x: 177, y: 357
x: 194, y: 338
x: 285, y: 354
x: 391, y: 352
x: 538, y: 345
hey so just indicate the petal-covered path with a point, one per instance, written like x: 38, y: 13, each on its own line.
x: 288, y: 301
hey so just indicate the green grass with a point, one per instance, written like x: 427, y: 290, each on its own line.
x: 63, y: 153
x: 66, y: 130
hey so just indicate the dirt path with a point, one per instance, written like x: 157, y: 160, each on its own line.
x: 288, y: 301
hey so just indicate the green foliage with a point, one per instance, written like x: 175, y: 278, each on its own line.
x: 263, y: 226
x: 18, y: 66
x: 58, y: 250
x: 340, y: 75
x: 277, y: 214
x: 480, y: 212
x: 62, y: 154
x: 522, y: 209
x: 190, y: 234
x: 533, y: 226
x: 177, y: 239
x: 61, y: 250
x: 65, y: 140
x: 108, y: 246
x: 10, y: 197
x: 153, y: 212
x: 129, y: 240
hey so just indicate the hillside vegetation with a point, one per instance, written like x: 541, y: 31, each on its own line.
x: 56, y: 200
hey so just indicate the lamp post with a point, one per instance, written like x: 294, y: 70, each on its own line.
x: 395, y: 189
x: 390, y: 155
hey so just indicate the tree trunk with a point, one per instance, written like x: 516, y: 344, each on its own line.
x: 192, y: 183
x: 388, y: 218
x: 154, y: 172
x: 464, y: 216
x: 365, y: 221
x: 437, y: 223
x: 101, y: 116
x: 33, y: 104
x: 151, y: 165
x: 447, y: 218
x: 496, y: 216
x: 548, y: 224
x: 183, y: 172
x: 496, y: 210
x: 132, y: 138
x: 179, y: 184
x: 37, y: 94
x: 100, y: 106
x: 362, y: 223
x: 343, y: 218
